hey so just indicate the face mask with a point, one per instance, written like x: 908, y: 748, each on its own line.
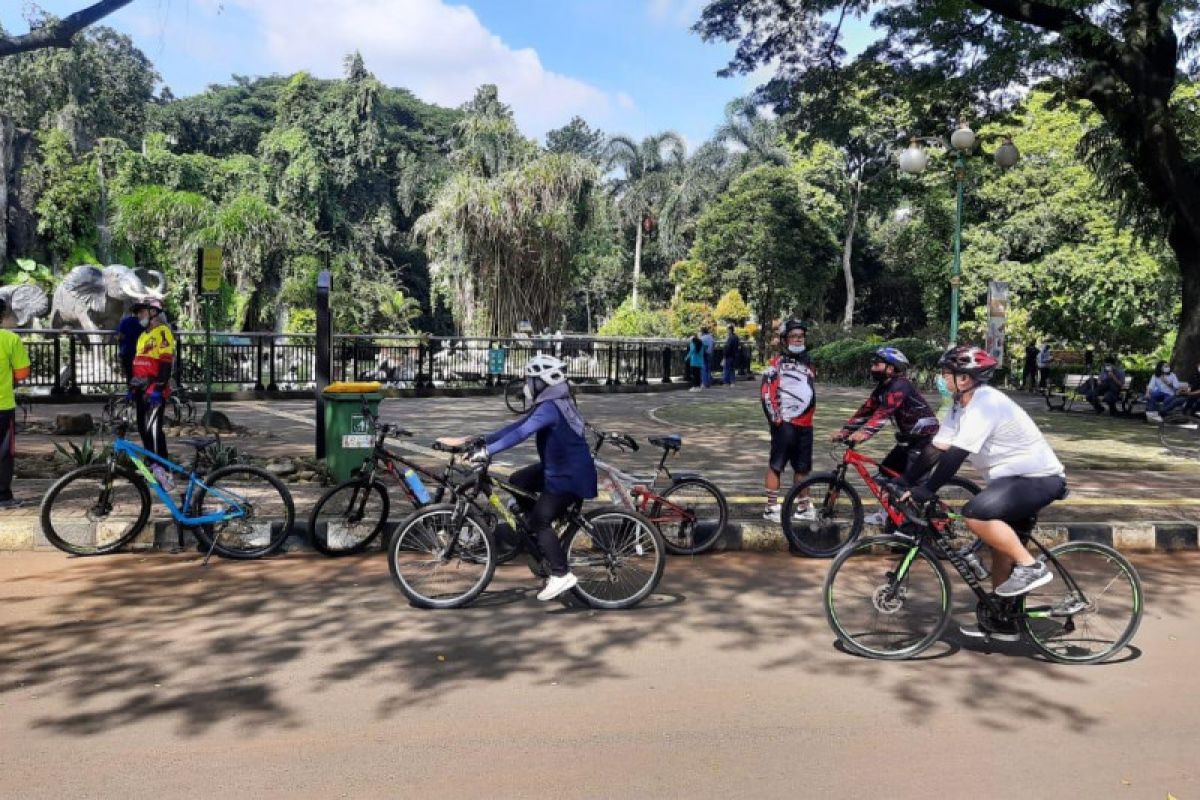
x: 796, y: 349
x: 144, y: 321
x: 528, y: 390
x: 942, y: 387
x: 1166, y: 370
x: 879, y: 375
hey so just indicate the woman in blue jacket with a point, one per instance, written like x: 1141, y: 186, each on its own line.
x: 565, y: 472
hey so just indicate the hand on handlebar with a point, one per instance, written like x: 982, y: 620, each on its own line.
x: 453, y: 441
x: 921, y: 494
x: 479, y: 455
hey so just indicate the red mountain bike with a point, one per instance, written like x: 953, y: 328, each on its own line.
x: 839, y: 510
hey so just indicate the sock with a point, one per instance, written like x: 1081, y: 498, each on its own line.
x: 772, y: 498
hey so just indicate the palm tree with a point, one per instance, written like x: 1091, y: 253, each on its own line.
x: 754, y: 136
x: 649, y: 168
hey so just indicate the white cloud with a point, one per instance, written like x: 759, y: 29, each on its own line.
x: 675, y: 12
x: 441, y: 52
x: 625, y: 102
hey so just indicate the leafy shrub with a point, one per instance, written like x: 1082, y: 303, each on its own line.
x: 82, y: 455
x: 628, y: 321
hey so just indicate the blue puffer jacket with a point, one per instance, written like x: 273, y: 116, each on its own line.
x: 565, y: 454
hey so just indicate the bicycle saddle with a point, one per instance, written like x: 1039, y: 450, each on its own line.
x: 671, y: 442
x: 199, y: 444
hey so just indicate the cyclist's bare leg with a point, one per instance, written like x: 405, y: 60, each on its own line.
x: 1006, y: 546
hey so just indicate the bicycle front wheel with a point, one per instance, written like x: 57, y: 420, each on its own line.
x: 257, y: 509
x: 617, y: 555
x: 514, y: 396
x: 93, y: 510
x: 886, y: 597
x: 348, y: 517
x: 1090, y: 610
x: 441, y: 557
x: 837, y: 516
x: 691, y: 514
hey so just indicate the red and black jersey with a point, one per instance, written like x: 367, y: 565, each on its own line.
x: 898, y: 400
x: 787, y: 391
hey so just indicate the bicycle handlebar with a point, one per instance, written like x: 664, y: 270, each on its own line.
x: 620, y: 441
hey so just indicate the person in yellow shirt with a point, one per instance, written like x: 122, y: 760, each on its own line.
x: 151, y: 381
x: 14, y: 368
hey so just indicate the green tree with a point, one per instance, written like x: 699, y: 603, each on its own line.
x: 772, y: 238
x: 577, y: 138
x: 1125, y: 59
x: 649, y: 168
x: 731, y: 308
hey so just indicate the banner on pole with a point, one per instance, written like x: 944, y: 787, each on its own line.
x: 997, y: 315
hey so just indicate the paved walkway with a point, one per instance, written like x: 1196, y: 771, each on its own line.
x: 150, y: 677
x: 1117, y: 470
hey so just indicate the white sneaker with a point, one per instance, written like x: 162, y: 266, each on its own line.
x: 878, y: 519
x: 1154, y: 416
x: 773, y: 513
x: 808, y: 514
x: 163, y: 477
x: 556, y: 585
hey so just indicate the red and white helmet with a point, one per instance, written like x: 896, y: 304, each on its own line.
x: 967, y: 360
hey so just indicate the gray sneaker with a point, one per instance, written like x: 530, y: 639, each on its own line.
x: 1025, y: 579
x: 1007, y: 633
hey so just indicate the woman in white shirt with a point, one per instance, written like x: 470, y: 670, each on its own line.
x: 1163, y: 393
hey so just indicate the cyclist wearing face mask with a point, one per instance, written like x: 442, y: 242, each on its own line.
x: 565, y: 472
x: 894, y: 398
x: 1022, y: 472
x: 789, y: 401
x: 151, y: 381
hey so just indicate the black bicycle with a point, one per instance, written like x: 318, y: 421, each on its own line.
x: 889, y: 597
x: 348, y: 517
x: 444, y: 555
x: 121, y: 407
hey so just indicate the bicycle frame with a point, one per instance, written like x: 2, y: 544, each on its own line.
x: 136, y: 454
x: 625, y: 488
x: 862, y: 465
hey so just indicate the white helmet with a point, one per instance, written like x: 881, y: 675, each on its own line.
x: 551, y: 371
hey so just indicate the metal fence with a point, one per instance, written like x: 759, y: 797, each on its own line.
x: 75, y: 362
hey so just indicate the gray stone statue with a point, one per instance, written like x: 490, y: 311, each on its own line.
x: 23, y: 303
x: 95, y: 298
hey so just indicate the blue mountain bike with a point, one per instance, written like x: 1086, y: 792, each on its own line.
x: 239, y: 511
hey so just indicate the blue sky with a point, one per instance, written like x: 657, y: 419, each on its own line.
x: 627, y: 66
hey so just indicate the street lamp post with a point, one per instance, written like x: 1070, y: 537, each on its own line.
x: 914, y: 160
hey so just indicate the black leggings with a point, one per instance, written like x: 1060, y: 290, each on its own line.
x: 1016, y: 500
x: 150, y: 425
x: 540, y: 514
x: 902, y: 456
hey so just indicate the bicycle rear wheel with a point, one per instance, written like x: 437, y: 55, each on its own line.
x: 617, y: 555
x: 699, y: 520
x: 348, y: 517
x: 878, y: 612
x: 1088, y: 625
x: 90, y: 512
x: 263, y: 507
x: 839, y: 516
x: 430, y: 570
x: 514, y: 396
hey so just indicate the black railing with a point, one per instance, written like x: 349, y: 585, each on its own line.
x: 76, y: 362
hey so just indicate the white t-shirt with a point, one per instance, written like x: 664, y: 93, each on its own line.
x: 1002, y: 439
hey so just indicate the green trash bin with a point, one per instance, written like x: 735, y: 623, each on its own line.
x: 349, y: 435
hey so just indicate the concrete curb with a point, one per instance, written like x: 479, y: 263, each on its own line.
x: 24, y: 533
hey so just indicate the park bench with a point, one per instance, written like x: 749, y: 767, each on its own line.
x: 1064, y: 396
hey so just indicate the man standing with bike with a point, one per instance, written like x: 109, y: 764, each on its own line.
x: 565, y: 473
x: 151, y: 381
x: 789, y: 401
x: 895, y: 398
x: 1023, y: 473
x: 14, y: 368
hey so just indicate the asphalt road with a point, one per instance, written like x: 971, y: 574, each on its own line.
x: 150, y: 677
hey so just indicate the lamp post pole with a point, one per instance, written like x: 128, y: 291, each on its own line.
x: 960, y: 178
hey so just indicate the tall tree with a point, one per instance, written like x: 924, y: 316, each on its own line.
x: 648, y: 170
x: 577, y: 137
x: 1125, y: 58
x: 46, y: 31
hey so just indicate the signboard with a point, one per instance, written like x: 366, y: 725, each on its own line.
x: 209, y: 269
x: 997, y: 316
x: 360, y: 424
x: 351, y: 441
x: 496, y: 358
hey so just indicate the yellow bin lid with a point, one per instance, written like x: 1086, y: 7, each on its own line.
x: 353, y: 387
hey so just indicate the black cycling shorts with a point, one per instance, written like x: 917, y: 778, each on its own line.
x: 791, y: 444
x: 1016, y: 500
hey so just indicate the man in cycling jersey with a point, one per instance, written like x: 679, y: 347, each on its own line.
x: 789, y: 402
x: 894, y: 398
x: 565, y: 472
x: 1023, y: 474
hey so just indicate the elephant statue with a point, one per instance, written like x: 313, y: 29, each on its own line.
x: 23, y: 302
x: 95, y: 298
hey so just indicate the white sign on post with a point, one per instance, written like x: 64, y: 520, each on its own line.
x: 997, y: 315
